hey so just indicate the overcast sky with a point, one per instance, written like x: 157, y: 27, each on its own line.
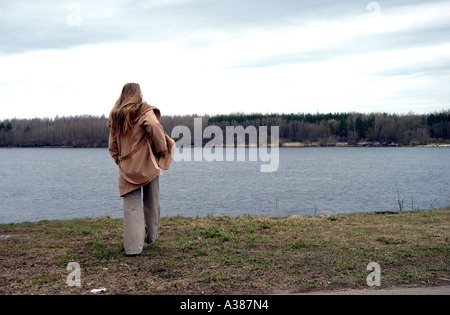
x: 222, y: 56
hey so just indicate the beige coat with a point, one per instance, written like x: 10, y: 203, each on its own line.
x: 141, y: 153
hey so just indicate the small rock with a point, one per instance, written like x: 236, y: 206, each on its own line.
x: 97, y: 291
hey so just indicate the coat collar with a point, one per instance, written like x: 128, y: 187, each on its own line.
x: 154, y: 109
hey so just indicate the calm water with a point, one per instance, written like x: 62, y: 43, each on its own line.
x: 38, y: 183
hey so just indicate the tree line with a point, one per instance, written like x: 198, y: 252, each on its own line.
x: 322, y: 129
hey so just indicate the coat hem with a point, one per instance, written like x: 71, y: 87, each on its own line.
x: 122, y: 194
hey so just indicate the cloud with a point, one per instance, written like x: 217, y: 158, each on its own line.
x: 48, y: 24
x: 422, y: 68
x: 211, y: 56
x: 30, y: 25
x: 399, y: 28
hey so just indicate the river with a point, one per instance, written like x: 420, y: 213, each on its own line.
x: 56, y: 183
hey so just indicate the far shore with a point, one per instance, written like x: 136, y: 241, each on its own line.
x: 281, y: 144
x: 359, y: 144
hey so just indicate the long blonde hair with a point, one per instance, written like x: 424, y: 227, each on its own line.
x: 127, y: 108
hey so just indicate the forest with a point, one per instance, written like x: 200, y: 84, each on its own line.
x: 380, y: 129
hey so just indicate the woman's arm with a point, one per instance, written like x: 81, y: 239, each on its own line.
x: 113, y: 148
x: 155, y: 131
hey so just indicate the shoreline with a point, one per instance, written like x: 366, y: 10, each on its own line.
x: 281, y: 145
x: 360, y: 144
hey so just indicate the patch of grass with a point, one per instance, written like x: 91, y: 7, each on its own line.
x: 100, y: 249
x: 390, y: 241
x: 242, y: 255
x: 302, y: 245
x: 333, y: 218
x: 63, y: 260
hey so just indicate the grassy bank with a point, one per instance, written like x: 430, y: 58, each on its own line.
x: 223, y: 255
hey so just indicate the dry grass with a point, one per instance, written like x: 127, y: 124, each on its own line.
x: 228, y: 255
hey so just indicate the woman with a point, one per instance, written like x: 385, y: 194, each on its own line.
x: 140, y: 147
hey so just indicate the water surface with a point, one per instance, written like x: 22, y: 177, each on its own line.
x: 55, y: 183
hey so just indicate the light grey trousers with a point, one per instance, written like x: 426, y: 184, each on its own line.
x: 141, y: 214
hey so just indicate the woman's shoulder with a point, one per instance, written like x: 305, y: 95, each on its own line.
x: 149, y: 113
